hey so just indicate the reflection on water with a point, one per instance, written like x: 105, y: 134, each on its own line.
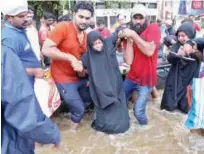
x: 165, y: 134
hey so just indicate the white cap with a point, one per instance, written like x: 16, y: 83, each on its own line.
x: 139, y: 9
x: 13, y: 8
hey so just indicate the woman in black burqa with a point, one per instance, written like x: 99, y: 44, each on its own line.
x: 182, y: 71
x: 106, y: 85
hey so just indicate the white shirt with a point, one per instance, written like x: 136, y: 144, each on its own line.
x: 88, y: 30
x: 32, y: 35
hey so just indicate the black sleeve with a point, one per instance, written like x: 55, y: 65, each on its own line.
x: 173, y: 59
x: 21, y: 109
x: 84, y: 60
x: 200, y: 44
x: 197, y: 55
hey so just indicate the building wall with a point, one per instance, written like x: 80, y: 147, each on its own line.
x: 109, y: 15
x: 189, y: 10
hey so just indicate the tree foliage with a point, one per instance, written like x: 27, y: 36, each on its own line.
x: 54, y: 7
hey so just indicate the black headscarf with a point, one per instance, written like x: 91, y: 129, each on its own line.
x: 104, y: 82
x: 188, y: 29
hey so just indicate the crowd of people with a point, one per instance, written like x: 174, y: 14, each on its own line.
x: 85, y: 65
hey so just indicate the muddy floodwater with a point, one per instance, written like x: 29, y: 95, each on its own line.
x: 165, y: 134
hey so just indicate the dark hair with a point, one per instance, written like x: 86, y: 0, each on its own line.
x: 84, y: 6
x: 191, y: 15
x: 31, y: 8
x: 65, y: 18
x: 100, y: 22
x: 92, y: 25
x: 190, y: 21
x: 48, y: 15
x: 121, y: 15
x: 159, y: 21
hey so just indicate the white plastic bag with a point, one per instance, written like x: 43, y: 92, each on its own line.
x: 47, y: 94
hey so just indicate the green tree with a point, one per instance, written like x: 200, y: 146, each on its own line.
x: 41, y: 6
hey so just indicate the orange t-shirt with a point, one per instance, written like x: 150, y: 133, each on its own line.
x: 65, y: 37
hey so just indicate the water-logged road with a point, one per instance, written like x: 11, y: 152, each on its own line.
x: 165, y: 134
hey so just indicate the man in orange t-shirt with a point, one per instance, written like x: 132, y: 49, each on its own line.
x: 65, y: 45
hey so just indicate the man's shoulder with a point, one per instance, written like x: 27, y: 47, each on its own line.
x: 7, y: 31
x: 11, y: 34
x: 64, y: 25
x: 153, y: 26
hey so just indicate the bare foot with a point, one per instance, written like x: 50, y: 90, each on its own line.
x: 74, y: 126
x: 154, y: 93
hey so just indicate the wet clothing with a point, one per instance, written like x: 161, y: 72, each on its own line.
x: 64, y: 35
x: 143, y: 94
x: 143, y: 73
x: 22, y: 120
x: 17, y: 40
x: 73, y: 99
x: 106, y: 86
x: 181, y: 73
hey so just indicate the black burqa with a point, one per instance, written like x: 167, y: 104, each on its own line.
x: 180, y: 76
x: 106, y: 86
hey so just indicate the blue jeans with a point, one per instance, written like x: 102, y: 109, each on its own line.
x: 71, y: 96
x: 143, y: 93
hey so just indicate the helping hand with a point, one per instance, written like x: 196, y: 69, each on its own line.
x: 181, y: 51
x: 39, y: 73
x: 125, y: 33
x: 188, y: 48
x: 77, y: 66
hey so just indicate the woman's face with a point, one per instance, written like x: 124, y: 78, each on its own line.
x: 98, y: 45
x: 182, y: 37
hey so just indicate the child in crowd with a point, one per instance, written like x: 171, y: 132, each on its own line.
x: 185, y: 64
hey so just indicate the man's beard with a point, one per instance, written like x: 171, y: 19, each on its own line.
x: 137, y: 28
x: 80, y: 28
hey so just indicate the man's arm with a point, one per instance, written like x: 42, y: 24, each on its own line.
x: 146, y: 48
x: 128, y: 52
x: 50, y: 50
x: 55, y: 38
